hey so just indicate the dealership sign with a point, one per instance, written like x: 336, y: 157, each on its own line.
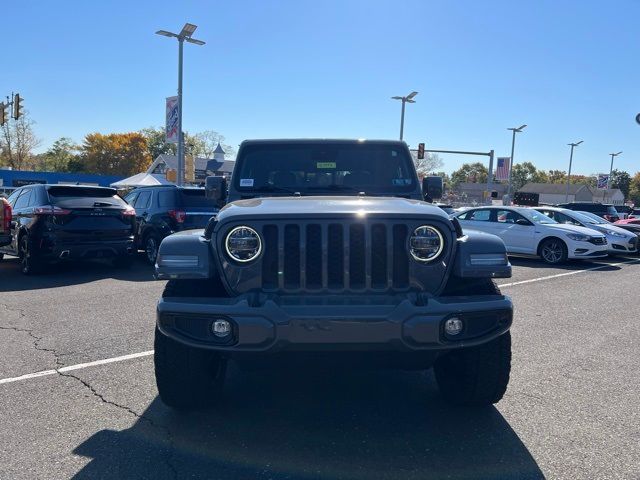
x: 603, y: 180
x: 171, y: 128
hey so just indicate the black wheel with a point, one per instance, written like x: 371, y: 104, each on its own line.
x: 28, y: 263
x: 123, y: 261
x: 187, y: 378
x: 553, y: 251
x: 151, y: 245
x: 475, y: 375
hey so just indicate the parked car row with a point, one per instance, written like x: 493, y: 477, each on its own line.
x: 43, y: 224
x: 555, y: 234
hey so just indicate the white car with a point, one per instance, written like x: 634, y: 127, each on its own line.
x: 526, y: 231
x: 619, y: 240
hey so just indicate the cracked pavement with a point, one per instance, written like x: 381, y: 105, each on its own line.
x: 571, y: 410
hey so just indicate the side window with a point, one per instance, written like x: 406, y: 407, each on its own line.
x: 143, y: 199
x: 562, y: 218
x: 23, y: 200
x: 507, y: 216
x: 131, y: 198
x: 479, y: 215
x: 13, y: 197
x: 35, y: 194
x: 166, y: 198
x: 548, y: 213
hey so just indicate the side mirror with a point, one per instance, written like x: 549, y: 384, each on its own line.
x: 216, y: 189
x: 523, y: 221
x: 432, y: 188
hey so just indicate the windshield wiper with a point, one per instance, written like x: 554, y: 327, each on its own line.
x: 267, y: 187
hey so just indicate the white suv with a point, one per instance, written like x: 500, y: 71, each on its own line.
x: 526, y: 231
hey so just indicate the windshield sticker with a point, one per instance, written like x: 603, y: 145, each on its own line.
x: 246, y: 182
x: 326, y: 165
x: 401, y: 181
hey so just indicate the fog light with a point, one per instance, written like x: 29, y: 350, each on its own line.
x: 221, y: 328
x: 453, y: 326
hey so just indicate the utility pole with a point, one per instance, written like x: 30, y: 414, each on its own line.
x: 513, y: 144
x: 566, y: 199
x: 407, y: 99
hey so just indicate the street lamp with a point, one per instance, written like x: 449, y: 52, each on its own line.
x: 513, y: 144
x: 570, y: 161
x: 185, y: 34
x: 407, y: 99
x: 613, y: 155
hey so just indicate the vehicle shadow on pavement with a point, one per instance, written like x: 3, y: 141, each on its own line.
x: 348, y: 424
x: 69, y: 273
x: 606, y: 264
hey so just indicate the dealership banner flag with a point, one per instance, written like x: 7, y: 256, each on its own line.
x: 171, y: 128
x: 603, y: 180
x: 502, y: 168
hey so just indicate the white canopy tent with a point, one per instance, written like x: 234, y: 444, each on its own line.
x: 141, y: 180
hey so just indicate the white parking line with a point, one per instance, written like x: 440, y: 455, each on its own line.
x: 131, y: 356
x: 79, y: 366
x: 566, y: 274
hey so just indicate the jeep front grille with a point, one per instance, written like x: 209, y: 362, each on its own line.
x: 335, y: 256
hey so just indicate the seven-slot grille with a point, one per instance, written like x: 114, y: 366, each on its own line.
x: 335, y: 256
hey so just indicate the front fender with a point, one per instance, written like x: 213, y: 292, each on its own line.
x: 184, y: 255
x: 481, y: 255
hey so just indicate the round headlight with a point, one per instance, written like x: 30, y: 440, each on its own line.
x: 243, y: 244
x: 426, y: 243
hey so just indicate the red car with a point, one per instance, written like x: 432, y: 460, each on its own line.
x: 630, y: 224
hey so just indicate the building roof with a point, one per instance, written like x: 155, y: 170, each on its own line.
x: 554, y: 188
x: 218, y: 149
x: 171, y: 161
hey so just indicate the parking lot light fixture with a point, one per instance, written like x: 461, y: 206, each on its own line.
x: 407, y: 99
x: 185, y: 34
x: 573, y: 145
x: 513, y: 144
x: 613, y: 155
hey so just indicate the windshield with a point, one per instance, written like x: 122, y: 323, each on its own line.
x: 581, y: 217
x: 536, y: 217
x: 595, y: 218
x: 316, y: 168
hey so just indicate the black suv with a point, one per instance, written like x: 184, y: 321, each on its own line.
x: 166, y: 209
x: 604, y: 210
x: 59, y: 222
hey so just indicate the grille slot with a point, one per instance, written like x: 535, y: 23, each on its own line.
x: 335, y: 256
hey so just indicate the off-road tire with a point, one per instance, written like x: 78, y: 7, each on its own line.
x: 187, y: 378
x: 558, y: 246
x: 475, y: 376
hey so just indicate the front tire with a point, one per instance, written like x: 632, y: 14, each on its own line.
x: 553, y: 251
x: 475, y: 376
x: 187, y: 378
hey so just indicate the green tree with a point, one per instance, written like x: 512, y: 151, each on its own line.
x: 525, y: 172
x: 469, y: 172
x: 62, y: 156
x: 557, y: 176
x: 622, y: 180
x: 201, y: 144
x: 116, y: 153
x: 634, y: 189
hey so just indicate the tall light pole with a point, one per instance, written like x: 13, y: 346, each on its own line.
x: 513, y: 144
x: 566, y: 199
x: 185, y: 34
x: 613, y: 155
x: 407, y: 99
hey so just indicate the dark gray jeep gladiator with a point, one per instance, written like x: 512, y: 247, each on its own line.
x: 326, y: 253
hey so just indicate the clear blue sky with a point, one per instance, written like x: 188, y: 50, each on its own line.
x: 569, y: 69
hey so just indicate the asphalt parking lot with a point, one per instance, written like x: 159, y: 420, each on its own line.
x: 571, y: 410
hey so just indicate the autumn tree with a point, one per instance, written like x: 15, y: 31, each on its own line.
x: 115, y: 154
x: 426, y: 165
x: 17, y: 142
x: 207, y: 141
x: 201, y: 144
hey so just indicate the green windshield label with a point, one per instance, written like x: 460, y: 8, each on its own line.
x: 326, y: 165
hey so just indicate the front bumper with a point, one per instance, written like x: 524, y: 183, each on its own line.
x: 337, y: 323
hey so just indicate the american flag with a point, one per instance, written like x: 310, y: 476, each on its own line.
x: 502, y: 169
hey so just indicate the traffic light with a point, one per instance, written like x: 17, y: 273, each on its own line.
x: 4, y: 114
x: 420, y: 151
x: 17, y: 106
x: 189, y: 168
